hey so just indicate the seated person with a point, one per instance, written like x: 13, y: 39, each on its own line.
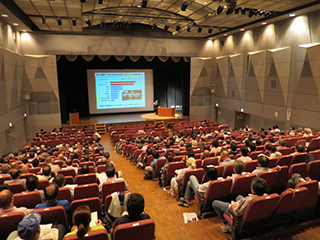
x: 51, y: 193
x: 135, y: 208
x: 263, y: 163
x: 244, y: 155
x: 6, y: 203
x: 274, y: 152
x: 46, y: 171
x: 149, y: 169
x: 111, y: 176
x: 15, y: 174
x: 299, y: 149
x: 163, y: 171
x: 60, y: 181
x: 233, y: 148
x: 29, y: 229
x: 175, y: 181
x: 81, y: 219
x: 238, y: 167
x: 69, y: 165
x: 258, y: 188
x: 32, y: 184
x: 199, y: 190
x: 224, y: 159
x: 5, y: 168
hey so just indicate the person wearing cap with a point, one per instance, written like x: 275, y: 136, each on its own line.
x: 6, y: 203
x: 190, y: 164
x: 51, y: 193
x: 29, y: 229
x: 199, y: 190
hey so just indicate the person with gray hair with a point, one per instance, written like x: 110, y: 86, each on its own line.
x: 224, y: 159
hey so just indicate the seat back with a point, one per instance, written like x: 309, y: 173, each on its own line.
x: 86, y: 178
x: 17, y: 187
x: 55, y: 214
x: 284, y: 160
x: 228, y: 170
x: 86, y: 191
x: 28, y: 199
x: 25, y: 175
x: 93, y: 203
x: 172, y: 167
x: 198, y: 173
x: 298, y: 158
x: 9, y: 223
x: 315, y: 153
x: 64, y: 194
x: 284, y: 151
x: 220, y: 170
x: 67, y: 172
x: 113, y: 186
x: 143, y: 229
x: 314, y: 144
x: 249, y: 166
x: 34, y: 170
x: 4, y: 178
x: 282, y: 178
x: 290, y: 200
x: 314, y: 170
x: 291, y: 142
x: 92, y: 235
x: 254, y: 154
x: 42, y: 184
x: 242, y: 185
x: 160, y: 163
x: 270, y: 176
x: 312, y: 194
x: 209, y: 161
x: 300, y: 168
x: 68, y: 180
x: 101, y: 168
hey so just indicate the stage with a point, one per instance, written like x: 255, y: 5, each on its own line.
x: 121, y: 119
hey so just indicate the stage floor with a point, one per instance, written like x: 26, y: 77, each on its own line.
x: 124, y: 118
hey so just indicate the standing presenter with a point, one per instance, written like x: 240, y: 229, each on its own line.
x: 156, y: 105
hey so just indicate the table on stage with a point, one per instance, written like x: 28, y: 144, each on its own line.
x: 166, y: 112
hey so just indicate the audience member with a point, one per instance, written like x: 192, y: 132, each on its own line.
x: 244, y: 155
x: 6, y: 203
x: 32, y: 184
x: 15, y: 174
x: 224, y: 159
x: 238, y: 167
x: 46, y: 171
x: 5, y: 168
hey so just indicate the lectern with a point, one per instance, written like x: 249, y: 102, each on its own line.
x: 74, y: 118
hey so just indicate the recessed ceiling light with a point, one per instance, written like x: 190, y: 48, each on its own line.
x: 139, y: 6
x: 4, y: 15
x: 225, y: 34
x: 15, y: 24
x: 242, y: 29
x: 292, y: 15
x: 205, y: 3
x: 264, y: 23
x: 24, y: 30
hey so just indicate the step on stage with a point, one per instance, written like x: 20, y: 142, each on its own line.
x: 124, y: 119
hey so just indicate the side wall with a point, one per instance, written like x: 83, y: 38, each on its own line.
x: 271, y: 72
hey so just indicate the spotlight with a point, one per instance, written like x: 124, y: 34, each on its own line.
x: 178, y: 27
x: 184, y: 6
x: 144, y: 3
x: 243, y: 11
x: 261, y: 13
x: 166, y: 27
x: 219, y: 9
x: 200, y: 29
x: 210, y: 30
x: 154, y: 26
x: 189, y: 28
x: 59, y: 21
x: 88, y: 22
x: 43, y: 20
x: 74, y: 22
x: 229, y: 10
x: 100, y: 1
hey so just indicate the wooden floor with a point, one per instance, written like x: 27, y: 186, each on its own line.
x: 167, y: 215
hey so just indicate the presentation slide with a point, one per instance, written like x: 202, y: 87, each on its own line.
x: 117, y: 91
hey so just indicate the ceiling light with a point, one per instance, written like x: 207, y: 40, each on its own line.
x: 59, y: 21
x: 100, y: 1
x: 242, y: 29
x: 184, y: 6
x: 210, y: 30
x: 74, y: 22
x: 166, y: 27
x: 178, y: 27
x: 4, y: 15
x: 219, y: 9
x: 200, y: 29
x: 292, y: 15
x: 261, y: 13
x: 43, y: 20
x: 15, y: 24
x: 88, y: 22
x: 243, y: 11
x: 264, y: 23
x: 189, y: 28
x: 144, y: 3
x: 225, y: 34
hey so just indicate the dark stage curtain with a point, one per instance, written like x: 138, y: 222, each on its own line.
x: 171, y: 82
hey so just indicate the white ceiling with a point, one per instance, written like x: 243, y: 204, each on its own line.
x: 129, y: 15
